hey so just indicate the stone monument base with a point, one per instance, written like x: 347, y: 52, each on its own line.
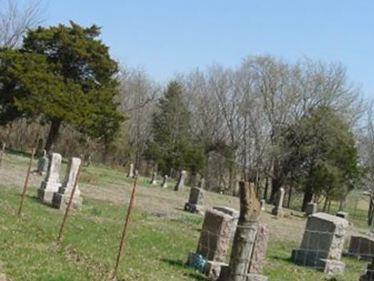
x: 60, y: 201
x: 45, y: 195
x: 225, y: 272
x: 317, y: 259
x: 193, y: 208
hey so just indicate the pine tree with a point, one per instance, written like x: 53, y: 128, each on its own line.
x: 62, y: 74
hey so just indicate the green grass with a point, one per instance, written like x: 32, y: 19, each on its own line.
x: 157, y: 245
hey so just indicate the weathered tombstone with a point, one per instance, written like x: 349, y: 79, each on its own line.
x: 164, y: 183
x: 342, y: 214
x: 231, y: 212
x: 214, y: 241
x: 195, y: 200
x: 278, y: 209
x: 322, y: 243
x: 361, y: 246
x: 130, y: 174
x: 369, y: 275
x: 153, y: 178
x: 311, y: 208
x: 61, y: 198
x: 51, y: 183
x: 263, y: 205
x: 259, y: 251
x: 43, y: 162
x: 180, y: 182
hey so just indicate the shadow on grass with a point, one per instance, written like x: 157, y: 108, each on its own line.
x: 280, y: 258
x: 180, y: 264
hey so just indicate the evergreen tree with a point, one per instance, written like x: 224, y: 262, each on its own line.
x: 320, y: 155
x: 63, y: 74
x: 172, y: 147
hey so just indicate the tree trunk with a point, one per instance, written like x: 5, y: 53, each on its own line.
x: 308, y: 196
x: 325, y: 204
x: 289, y: 196
x: 245, y: 234
x: 371, y: 210
x: 52, y: 134
x: 265, y: 196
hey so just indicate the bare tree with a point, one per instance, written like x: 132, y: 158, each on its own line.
x: 16, y: 19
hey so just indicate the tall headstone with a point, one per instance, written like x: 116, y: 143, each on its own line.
x: 180, y: 182
x: 195, y: 200
x: 43, y: 162
x: 164, y: 183
x: 278, y: 209
x: 153, y: 179
x: 202, y: 183
x: 322, y: 243
x: 51, y: 183
x: 263, y: 205
x: 130, y: 174
x: 61, y: 198
x: 311, y: 208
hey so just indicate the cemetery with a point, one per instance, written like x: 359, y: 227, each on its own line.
x: 186, y: 140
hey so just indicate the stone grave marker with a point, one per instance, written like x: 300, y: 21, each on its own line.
x: 322, y: 243
x: 130, y: 174
x: 180, y: 182
x: 361, y: 246
x: 278, y: 209
x: 195, y: 200
x: 311, y: 208
x: 51, y: 183
x: 153, y: 180
x: 42, y: 166
x: 61, y: 198
x: 164, y: 183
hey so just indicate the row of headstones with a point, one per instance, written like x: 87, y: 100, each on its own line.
x: 321, y: 246
x: 164, y: 184
x: 54, y: 192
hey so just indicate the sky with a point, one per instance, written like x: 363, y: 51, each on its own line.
x: 165, y: 37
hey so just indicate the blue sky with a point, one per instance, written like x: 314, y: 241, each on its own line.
x: 169, y: 36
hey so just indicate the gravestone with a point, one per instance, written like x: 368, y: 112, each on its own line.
x: 263, y: 205
x: 231, y: 212
x: 322, y: 243
x: 311, y: 208
x: 202, y: 183
x: 214, y: 241
x: 51, y: 183
x: 180, y: 182
x: 195, y: 200
x: 61, y: 198
x: 153, y: 178
x: 361, y: 246
x: 278, y: 209
x: 342, y: 214
x: 130, y: 174
x: 164, y: 183
x: 42, y: 166
x: 369, y: 274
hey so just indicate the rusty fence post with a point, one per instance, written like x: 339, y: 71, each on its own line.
x: 25, y: 186
x: 125, y: 227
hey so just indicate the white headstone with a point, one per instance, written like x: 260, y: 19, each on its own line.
x: 61, y: 198
x: 130, y: 174
x: 165, y: 182
x: 180, y: 183
x: 278, y: 209
x: 51, y: 183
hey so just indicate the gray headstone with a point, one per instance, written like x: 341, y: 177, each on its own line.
x: 322, y: 243
x: 311, y: 208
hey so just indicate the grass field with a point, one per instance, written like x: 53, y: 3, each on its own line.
x: 160, y: 237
